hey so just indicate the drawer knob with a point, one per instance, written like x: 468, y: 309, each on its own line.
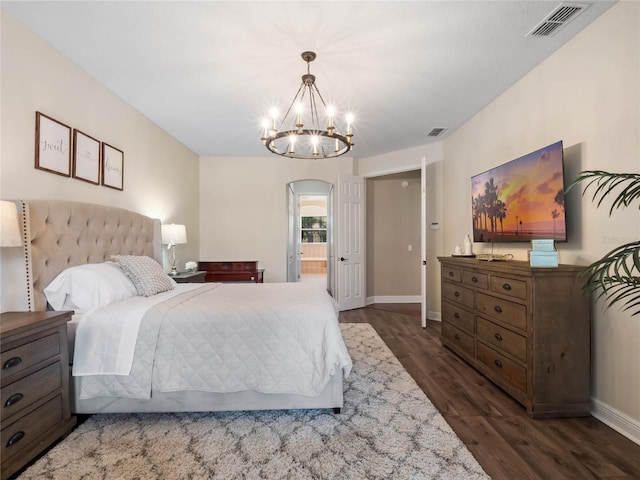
x: 457, y: 294
x: 15, y: 438
x: 498, y: 363
x: 451, y: 274
x: 457, y: 315
x: 507, y: 287
x: 498, y: 337
x: 474, y: 279
x: 12, y: 362
x: 13, y: 399
x: 456, y: 336
x: 497, y: 309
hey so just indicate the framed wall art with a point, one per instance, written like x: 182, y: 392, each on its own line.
x: 53, y: 145
x: 86, y: 158
x: 112, y: 167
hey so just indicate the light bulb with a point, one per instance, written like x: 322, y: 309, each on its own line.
x: 274, y: 118
x: 265, y: 130
x: 299, y: 123
x: 330, y: 112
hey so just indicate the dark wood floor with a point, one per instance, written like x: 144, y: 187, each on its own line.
x: 506, y: 442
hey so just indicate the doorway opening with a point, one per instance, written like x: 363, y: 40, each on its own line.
x: 313, y: 238
x: 310, y: 237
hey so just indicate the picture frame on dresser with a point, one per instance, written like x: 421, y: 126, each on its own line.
x: 112, y: 167
x: 86, y: 158
x: 52, y: 145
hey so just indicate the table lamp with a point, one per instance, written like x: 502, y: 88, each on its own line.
x: 173, y: 235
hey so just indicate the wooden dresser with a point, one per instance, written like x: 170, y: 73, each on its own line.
x: 235, y: 271
x: 526, y: 329
x: 34, y: 386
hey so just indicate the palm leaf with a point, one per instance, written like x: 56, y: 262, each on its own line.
x: 605, y: 183
x: 617, y: 276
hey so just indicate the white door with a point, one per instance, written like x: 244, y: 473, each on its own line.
x: 350, y: 238
x: 424, y: 211
x: 330, y: 237
x: 293, y: 244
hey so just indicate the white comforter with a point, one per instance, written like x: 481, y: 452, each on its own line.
x: 270, y: 338
x: 106, y: 337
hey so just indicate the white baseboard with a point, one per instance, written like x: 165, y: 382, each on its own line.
x: 394, y: 299
x: 620, y: 422
x: 437, y: 316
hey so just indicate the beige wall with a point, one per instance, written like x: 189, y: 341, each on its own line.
x: 160, y: 174
x: 243, y: 206
x: 586, y: 94
x: 392, y: 227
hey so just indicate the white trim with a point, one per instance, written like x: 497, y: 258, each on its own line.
x: 393, y: 170
x: 437, y: 316
x: 621, y: 423
x: 394, y: 299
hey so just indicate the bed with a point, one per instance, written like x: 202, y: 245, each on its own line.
x: 189, y: 347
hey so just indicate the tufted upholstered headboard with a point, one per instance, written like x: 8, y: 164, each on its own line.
x: 61, y: 234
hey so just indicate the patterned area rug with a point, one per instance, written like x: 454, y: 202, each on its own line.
x: 388, y: 429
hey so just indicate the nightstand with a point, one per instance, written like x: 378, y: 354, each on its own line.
x: 189, y: 277
x: 35, y: 408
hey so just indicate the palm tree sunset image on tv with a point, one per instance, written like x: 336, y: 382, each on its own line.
x: 521, y: 200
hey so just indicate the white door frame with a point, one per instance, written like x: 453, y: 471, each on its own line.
x: 424, y: 225
x: 294, y: 190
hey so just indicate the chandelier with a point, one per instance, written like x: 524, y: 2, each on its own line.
x: 307, y: 137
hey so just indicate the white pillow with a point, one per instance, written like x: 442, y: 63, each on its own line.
x: 145, y: 273
x: 89, y: 286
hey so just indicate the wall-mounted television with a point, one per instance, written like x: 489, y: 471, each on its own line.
x: 522, y: 199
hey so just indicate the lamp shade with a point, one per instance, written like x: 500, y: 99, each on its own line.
x: 9, y: 228
x: 173, y: 234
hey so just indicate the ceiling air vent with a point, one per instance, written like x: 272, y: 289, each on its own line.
x: 557, y: 19
x: 435, y: 132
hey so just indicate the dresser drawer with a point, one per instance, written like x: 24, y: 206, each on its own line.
x: 18, y: 435
x: 460, y: 339
x: 18, y: 359
x: 457, y: 294
x: 474, y: 279
x: 454, y: 314
x: 508, y: 312
x: 232, y: 277
x: 450, y: 273
x: 511, y: 371
x: 501, y: 338
x: 228, y: 266
x: 509, y: 286
x: 22, y: 393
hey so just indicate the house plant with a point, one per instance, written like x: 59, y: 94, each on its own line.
x: 617, y: 274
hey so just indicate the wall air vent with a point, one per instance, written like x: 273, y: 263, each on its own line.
x: 557, y: 19
x: 435, y: 132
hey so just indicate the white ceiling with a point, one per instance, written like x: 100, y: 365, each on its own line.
x: 207, y: 72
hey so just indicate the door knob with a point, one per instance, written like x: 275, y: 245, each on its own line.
x: 342, y: 259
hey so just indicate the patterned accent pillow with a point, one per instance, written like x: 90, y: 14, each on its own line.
x: 145, y: 273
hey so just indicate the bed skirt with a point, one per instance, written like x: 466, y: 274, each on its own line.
x: 195, y: 401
